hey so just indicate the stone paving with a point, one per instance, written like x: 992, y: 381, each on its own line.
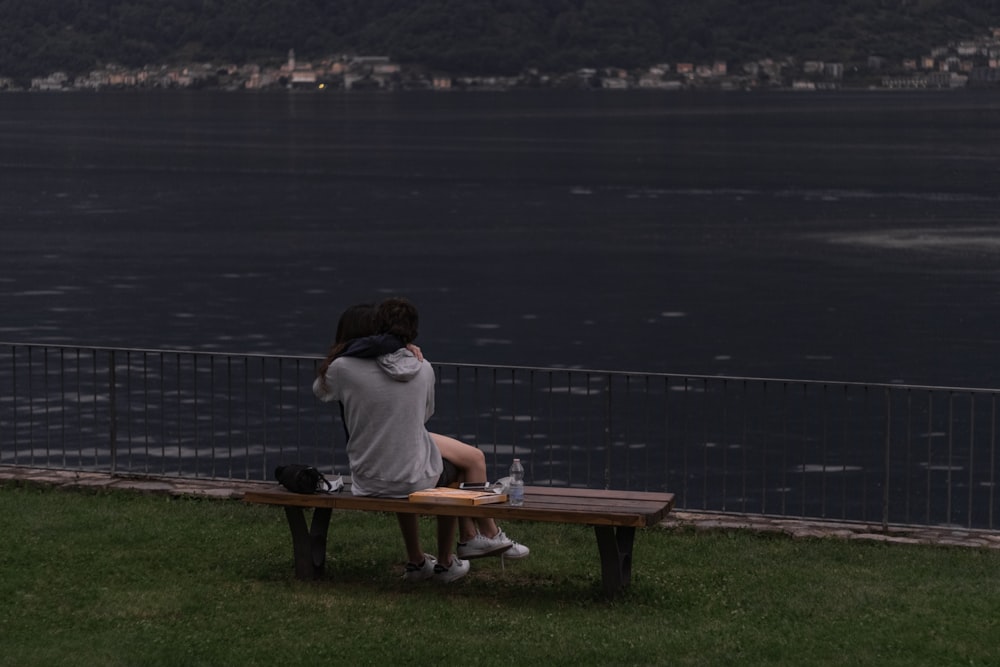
x: 677, y: 520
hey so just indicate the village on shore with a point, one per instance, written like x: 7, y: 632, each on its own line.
x: 962, y: 64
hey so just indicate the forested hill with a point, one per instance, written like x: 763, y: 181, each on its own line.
x: 475, y: 36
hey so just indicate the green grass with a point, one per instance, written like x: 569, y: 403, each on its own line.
x: 130, y: 579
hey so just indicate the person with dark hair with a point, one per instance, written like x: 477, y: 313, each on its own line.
x: 386, y: 391
x: 397, y: 317
x: 355, y: 323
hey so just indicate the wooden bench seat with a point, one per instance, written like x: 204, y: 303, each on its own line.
x: 614, y: 515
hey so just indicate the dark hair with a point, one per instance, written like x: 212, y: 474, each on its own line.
x: 357, y: 321
x: 398, y: 317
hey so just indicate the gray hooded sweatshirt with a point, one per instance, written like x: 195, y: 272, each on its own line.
x: 387, y: 401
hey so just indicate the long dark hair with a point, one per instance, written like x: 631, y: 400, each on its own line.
x: 357, y: 321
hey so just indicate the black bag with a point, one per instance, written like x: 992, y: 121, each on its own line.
x: 301, y: 478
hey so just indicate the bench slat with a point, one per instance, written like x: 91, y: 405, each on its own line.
x: 582, y: 506
x: 607, y: 494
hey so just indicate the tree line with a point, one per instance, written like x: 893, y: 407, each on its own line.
x: 476, y: 37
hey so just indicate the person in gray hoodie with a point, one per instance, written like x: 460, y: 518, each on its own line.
x: 386, y: 391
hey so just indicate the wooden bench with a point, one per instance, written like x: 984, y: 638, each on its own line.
x: 614, y: 515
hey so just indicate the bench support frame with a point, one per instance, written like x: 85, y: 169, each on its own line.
x: 614, y: 544
x: 309, y: 543
x: 615, y: 547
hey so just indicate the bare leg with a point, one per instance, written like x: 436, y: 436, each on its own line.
x: 410, y: 527
x: 446, y: 536
x: 471, y: 463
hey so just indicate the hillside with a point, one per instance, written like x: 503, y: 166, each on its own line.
x: 475, y: 36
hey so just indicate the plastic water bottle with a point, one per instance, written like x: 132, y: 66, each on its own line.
x: 515, y: 494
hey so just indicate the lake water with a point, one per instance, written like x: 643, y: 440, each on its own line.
x: 848, y: 236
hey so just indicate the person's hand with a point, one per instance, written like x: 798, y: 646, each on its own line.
x: 415, y: 351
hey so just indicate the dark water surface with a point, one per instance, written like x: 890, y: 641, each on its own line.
x: 851, y: 236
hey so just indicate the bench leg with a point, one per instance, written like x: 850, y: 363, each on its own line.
x: 309, y: 544
x: 615, y: 547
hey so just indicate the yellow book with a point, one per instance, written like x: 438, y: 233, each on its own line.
x: 448, y: 496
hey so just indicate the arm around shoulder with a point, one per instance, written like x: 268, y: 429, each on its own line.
x: 323, y: 390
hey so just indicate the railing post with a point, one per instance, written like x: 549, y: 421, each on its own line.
x: 972, y: 451
x: 608, y: 435
x: 112, y: 413
x: 888, y: 461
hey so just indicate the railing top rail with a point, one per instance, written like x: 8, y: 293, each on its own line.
x: 738, y: 378
x: 542, y: 369
x: 149, y: 350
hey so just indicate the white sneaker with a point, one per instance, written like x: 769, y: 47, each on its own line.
x: 516, y: 550
x: 423, y: 572
x: 481, y: 546
x: 458, y: 569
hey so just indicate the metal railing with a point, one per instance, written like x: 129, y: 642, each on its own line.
x: 890, y: 454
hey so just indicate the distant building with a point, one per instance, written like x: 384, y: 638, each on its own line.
x: 369, y: 61
x: 967, y: 49
x: 303, y: 78
x: 915, y: 81
x: 55, y: 81
x: 651, y: 80
x: 298, y: 75
x: 385, y: 69
x: 981, y: 75
x: 946, y: 80
x: 771, y: 68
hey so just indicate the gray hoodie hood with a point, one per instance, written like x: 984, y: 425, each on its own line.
x: 400, y: 365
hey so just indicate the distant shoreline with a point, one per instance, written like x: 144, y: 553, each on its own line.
x: 693, y: 90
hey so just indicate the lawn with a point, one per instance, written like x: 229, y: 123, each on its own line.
x: 131, y: 579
